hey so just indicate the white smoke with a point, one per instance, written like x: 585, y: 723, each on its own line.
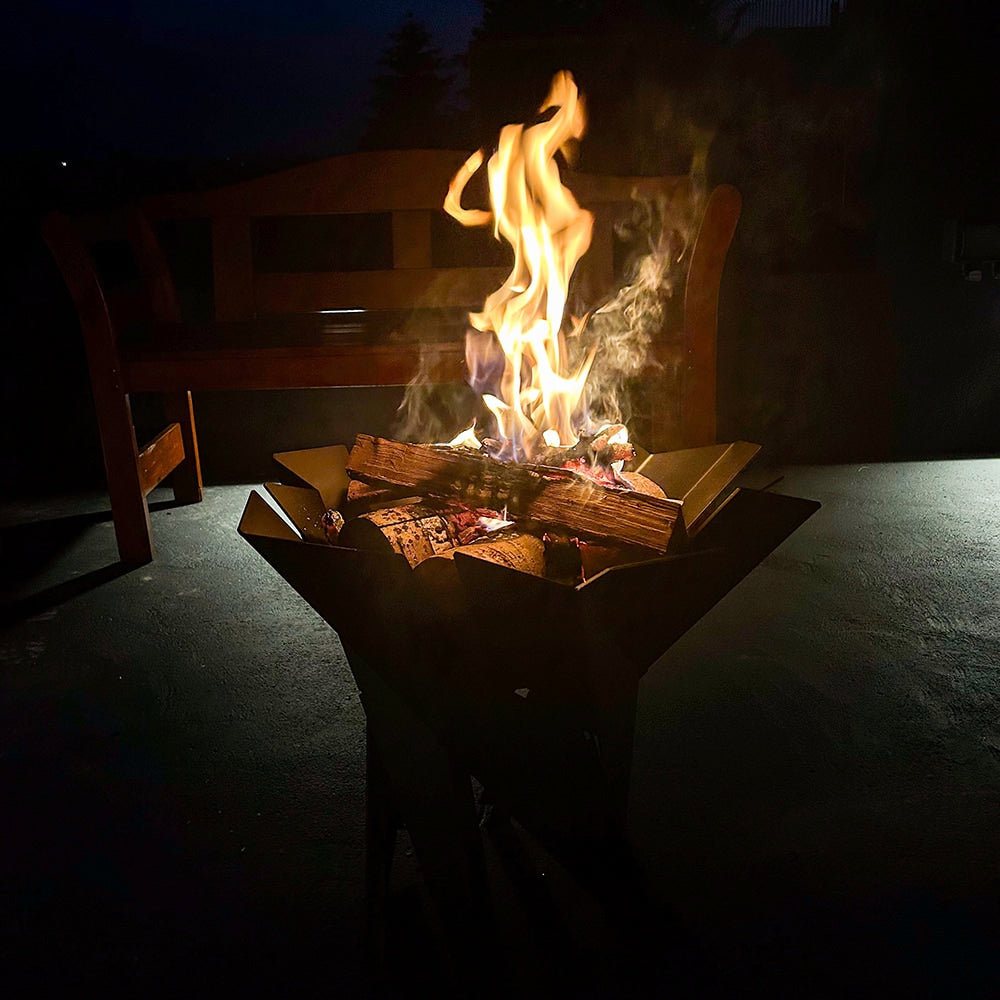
x: 659, y: 232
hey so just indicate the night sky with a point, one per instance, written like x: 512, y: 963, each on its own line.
x: 190, y: 78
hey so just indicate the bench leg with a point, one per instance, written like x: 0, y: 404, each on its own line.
x: 121, y: 456
x: 381, y: 824
x: 111, y: 402
x: 186, y: 478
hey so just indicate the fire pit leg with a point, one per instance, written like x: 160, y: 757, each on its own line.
x: 381, y: 824
x: 615, y: 696
x: 417, y: 776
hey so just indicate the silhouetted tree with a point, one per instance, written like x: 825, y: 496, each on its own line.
x: 409, y: 93
x: 634, y: 60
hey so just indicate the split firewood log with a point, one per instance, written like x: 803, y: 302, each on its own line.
x: 419, y: 531
x: 642, y: 484
x: 548, y: 496
x: 438, y: 575
x: 514, y: 549
x: 412, y: 530
x: 363, y: 497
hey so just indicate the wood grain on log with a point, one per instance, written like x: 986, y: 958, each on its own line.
x: 550, y: 496
x: 412, y: 530
x: 510, y: 548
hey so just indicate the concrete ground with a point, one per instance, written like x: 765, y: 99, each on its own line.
x: 815, y: 789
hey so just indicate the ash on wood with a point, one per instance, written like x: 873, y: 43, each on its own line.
x: 548, y: 495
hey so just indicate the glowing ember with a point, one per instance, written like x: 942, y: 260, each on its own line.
x: 516, y: 352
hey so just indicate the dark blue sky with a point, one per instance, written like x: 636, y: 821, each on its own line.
x: 202, y: 77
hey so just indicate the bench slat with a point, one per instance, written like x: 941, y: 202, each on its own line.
x: 160, y: 457
x: 292, y: 368
x: 405, y: 288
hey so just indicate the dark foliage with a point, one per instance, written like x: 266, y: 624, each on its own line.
x: 625, y: 58
x: 409, y: 94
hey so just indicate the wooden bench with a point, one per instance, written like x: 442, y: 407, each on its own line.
x: 344, y: 272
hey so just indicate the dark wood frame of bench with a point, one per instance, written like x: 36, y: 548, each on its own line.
x: 410, y: 185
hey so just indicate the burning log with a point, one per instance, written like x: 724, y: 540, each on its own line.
x: 602, y: 449
x: 550, y: 496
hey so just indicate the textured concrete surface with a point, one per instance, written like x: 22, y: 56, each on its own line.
x: 816, y: 778
x: 819, y: 759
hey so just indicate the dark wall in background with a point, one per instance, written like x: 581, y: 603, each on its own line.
x: 940, y: 162
x: 847, y: 329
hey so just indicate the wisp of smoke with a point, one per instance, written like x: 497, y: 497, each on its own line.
x: 623, y: 329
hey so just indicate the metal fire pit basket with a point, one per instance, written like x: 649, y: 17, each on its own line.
x: 526, y: 684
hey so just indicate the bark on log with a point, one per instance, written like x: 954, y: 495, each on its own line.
x: 362, y: 498
x: 555, y: 497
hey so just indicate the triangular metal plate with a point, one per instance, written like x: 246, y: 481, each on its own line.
x: 325, y: 469
x: 304, y: 507
x: 698, y: 476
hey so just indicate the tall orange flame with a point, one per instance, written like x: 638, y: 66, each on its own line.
x: 516, y: 353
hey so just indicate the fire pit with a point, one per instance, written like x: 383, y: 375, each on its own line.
x: 528, y: 684
x: 500, y: 597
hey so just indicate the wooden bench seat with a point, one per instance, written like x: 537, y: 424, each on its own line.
x: 343, y: 272
x: 291, y: 367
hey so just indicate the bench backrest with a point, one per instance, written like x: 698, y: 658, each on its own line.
x: 367, y: 231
